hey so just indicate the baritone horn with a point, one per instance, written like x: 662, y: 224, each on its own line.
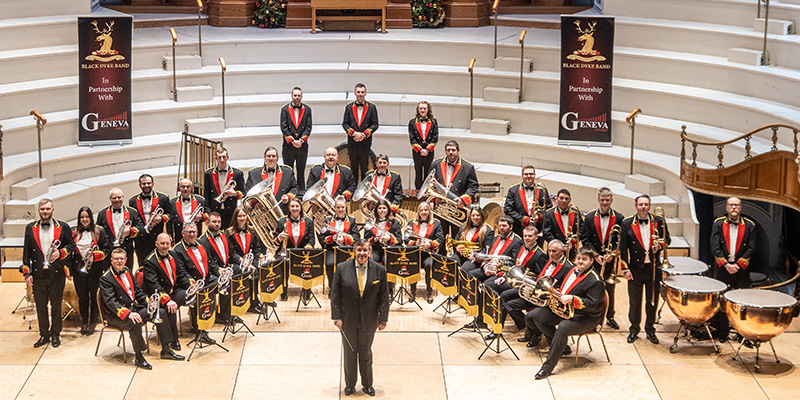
x: 318, y: 204
x: 563, y: 310
x: 517, y: 279
x: 447, y: 209
x: 263, y: 211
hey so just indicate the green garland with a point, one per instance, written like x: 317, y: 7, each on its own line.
x: 427, y: 13
x: 270, y: 14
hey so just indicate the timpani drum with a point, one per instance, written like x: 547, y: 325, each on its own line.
x: 684, y: 266
x: 760, y: 314
x: 693, y: 299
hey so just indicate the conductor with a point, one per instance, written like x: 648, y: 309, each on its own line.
x: 359, y: 306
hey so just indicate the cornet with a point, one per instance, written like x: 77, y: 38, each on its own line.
x: 327, y: 228
x: 88, y: 259
x: 118, y: 240
x: 53, y: 246
x: 197, y: 211
x: 221, y: 198
x: 191, y: 292
x: 151, y: 222
x: 225, y: 275
x: 371, y: 224
x: 154, y: 308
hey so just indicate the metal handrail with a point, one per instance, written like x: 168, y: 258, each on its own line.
x: 521, y: 59
x: 494, y: 11
x: 747, y: 137
x: 784, y: 283
x: 471, y: 87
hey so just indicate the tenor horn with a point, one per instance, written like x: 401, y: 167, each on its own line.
x: 264, y: 212
x: 447, y: 209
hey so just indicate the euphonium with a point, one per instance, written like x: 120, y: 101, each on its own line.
x: 152, y: 221
x: 467, y: 246
x: 318, y: 204
x: 118, y: 241
x: 88, y: 259
x: 611, y: 248
x: 191, y: 292
x: 154, y: 308
x: 517, y: 279
x: 495, y: 262
x: 447, y: 209
x: 566, y: 311
x: 264, y: 212
x: 368, y: 194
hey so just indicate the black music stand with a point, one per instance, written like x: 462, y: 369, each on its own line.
x: 209, y: 300
x: 491, y: 301
x: 29, y: 307
x: 198, y: 345
x: 399, y: 264
x: 449, y: 305
x: 468, y: 285
x: 267, y: 310
x: 239, y: 281
x: 231, y: 327
x: 400, y: 295
x: 303, y: 270
x: 306, y: 301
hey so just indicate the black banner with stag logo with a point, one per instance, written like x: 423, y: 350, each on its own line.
x: 104, y: 80
x: 240, y: 293
x: 307, y: 267
x: 491, y: 311
x: 468, y: 292
x: 402, y: 264
x: 587, y: 55
x: 443, y: 274
x: 270, y: 280
x: 206, y: 307
x: 340, y: 255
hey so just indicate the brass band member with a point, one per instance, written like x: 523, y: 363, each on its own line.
x: 86, y: 236
x: 343, y: 232
x: 582, y: 289
x: 475, y: 230
x: 423, y: 132
x: 428, y: 235
x: 389, y: 183
x: 640, y: 254
x: 217, y: 242
x: 126, y: 307
x: 296, y: 128
x: 294, y: 231
x: 217, y: 182
x: 284, y: 185
x: 184, y: 206
x: 527, y: 202
x: 360, y: 122
x: 164, y: 276
x: 595, y: 234
x: 199, y: 263
x: 557, y: 268
x: 146, y: 203
x: 458, y: 175
x: 340, y: 182
x: 385, y: 231
x: 243, y: 240
x: 45, y: 267
x: 561, y: 222
x: 122, y: 223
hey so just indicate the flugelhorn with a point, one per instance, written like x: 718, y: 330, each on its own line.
x: 191, y: 292
x: 370, y: 224
x: 327, y: 228
x: 612, y: 248
x: 221, y: 198
x: 151, y: 222
x: 88, y: 260
x: 447, y: 209
x: 53, y: 246
x: 119, y: 240
x: 154, y: 308
x: 563, y: 310
x: 318, y: 204
x: 467, y: 247
x: 225, y: 275
x: 197, y: 211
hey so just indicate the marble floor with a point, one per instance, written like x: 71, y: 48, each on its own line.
x: 414, y: 359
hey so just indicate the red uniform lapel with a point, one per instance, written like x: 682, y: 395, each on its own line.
x: 739, y: 235
x: 244, y: 246
x: 574, y: 282
x: 598, y: 226
x: 422, y: 134
x: 443, y: 170
x: 296, y: 122
x: 198, y: 264
x: 335, y: 178
x: 386, y: 181
x: 360, y: 121
x: 126, y: 276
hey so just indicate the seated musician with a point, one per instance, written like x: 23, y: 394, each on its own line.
x: 561, y: 222
x: 183, y: 207
x: 294, y: 231
x: 385, y: 230
x: 388, y: 183
x: 475, y: 230
x: 284, y: 184
x: 425, y: 232
x: 242, y: 241
x: 162, y: 276
x: 126, y: 307
x: 531, y: 259
x: 556, y: 267
x: 585, y: 292
x: 216, y: 241
x: 87, y: 235
x: 343, y: 232
x: 341, y: 182
x: 199, y: 263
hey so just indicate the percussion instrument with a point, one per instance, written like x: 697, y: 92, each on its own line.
x: 694, y: 300
x: 71, y: 303
x: 683, y: 266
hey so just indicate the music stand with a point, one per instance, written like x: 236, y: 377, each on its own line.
x: 307, y: 269
x: 270, y: 281
x: 402, y: 268
x: 30, y: 305
x: 444, y: 278
x: 205, y: 313
x: 239, y: 293
x: 467, y: 298
x: 492, y: 305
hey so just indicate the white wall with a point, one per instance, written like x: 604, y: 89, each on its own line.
x: 10, y: 9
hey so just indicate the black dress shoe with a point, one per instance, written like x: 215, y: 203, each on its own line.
x: 534, y: 342
x: 632, y: 337
x: 543, y: 373
x: 206, y: 339
x: 43, y: 340
x: 284, y: 296
x: 56, y: 341
x: 90, y: 328
x: 737, y: 338
x: 175, y: 346
x: 84, y: 327
x: 369, y: 390
x: 349, y: 391
x: 612, y: 323
x: 524, y: 339
x: 652, y: 338
x: 491, y: 336
x: 142, y: 363
x: 170, y: 355
x: 748, y: 343
x: 567, y: 351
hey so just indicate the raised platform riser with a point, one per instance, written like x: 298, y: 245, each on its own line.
x: 51, y: 33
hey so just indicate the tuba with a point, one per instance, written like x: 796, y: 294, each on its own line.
x: 448, y: 209
x: 547, y: 285
x: 317, y: 197
x: 263, y: 211
x: 518, y: 279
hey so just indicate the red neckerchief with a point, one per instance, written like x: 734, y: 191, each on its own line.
x: 575, y: 282
x: 638, y: 233
x: 122, y: 284
x: 216, y: 248
x: 546, y: 266
x: 739, y: 236
x: 296, y: 122
x: 525, y: 198
x: 153, y: 204
x: 443, y: 170
x: 276, y: 184
x: 528, y: 256
x: 557, y: 214
x: 301, y: 232
x: 363, y: 113
x: 612, y: 219
x: 244, y: 246
x: 170, y: 271
x: 215, y: 177
x: 56, y: 234
x: 386, y: 181
x: 507, y: 242
x: 126, y: 215
x: 198, y: 264
x: 335, y: 178
x: 179, y: 206
x: 422, y: 134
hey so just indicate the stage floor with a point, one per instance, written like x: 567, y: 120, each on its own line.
x: 300, y: 358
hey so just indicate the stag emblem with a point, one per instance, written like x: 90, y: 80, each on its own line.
x: 105, y: 53
x: 587, y: 52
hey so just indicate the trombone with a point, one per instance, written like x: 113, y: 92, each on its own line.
x: 612, y: 248
x: 659, y: 237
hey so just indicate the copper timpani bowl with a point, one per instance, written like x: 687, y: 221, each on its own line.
x: 684, y: 266
x: 693, y: 299
x: 760, y: 314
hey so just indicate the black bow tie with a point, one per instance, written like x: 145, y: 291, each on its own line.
x: 243, y: 230
x: 146, y: 197
x: 380, y: 173
x: 340, y: 218
x: 222, y: 170
x: 117, y: 210
x: 215, y: 235
x: 451, y: 164
x: 81, y: 229
x: 270, y: 170
x: 47, y: 224
x: 294, y: 220
x: 297, y: 106
x: 193, y: 244
x: 186, y: 200
x: 643, y: 220
x: 360, y: 104
x: 529, y: 187
x: 423, y: 120
x: 329, y: 171
x: 165, y: 256
x: 733, y: 222
x: 564, y: 212
x: 605, y: 214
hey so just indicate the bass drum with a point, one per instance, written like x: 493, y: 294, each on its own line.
x: 71, y: 301
x: 344, y: 158
x: 493, y: 211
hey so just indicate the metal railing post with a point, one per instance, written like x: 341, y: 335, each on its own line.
x: 174, y: 68
x: 224, y: 68
x: 40, y: 123
x: 494, y: 11
x: 199, y: 29
x: 764, y: 54
x: 521, y: 59
x: 471, y: 86
x: 631, y: 120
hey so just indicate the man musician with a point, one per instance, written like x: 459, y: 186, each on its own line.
x: 340, y: 178
x: 284, y: 184
x: 561, y: 222
x: 126, y: 307
x: 527, y: 202
x: 183, y: 206
x: 296, y: 128
x: 146, y: 203
x: 596, y: 234
x: 557, y: 267
x: 360, y: 122
x: 640, y: 254
x: 216, y: 241
x: 388, y: 183
x: 218, y: 180
x: 343, y: 232
x: 121, y: 223
x: 162, y: 275
x: 199, y: 262
x: 458, y: 175
x: 46, y: 270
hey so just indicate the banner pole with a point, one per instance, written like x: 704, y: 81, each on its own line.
x: 471, y: 101
x: 174, y: 72
x: 199, y: 28
x: 222, y: 71
x: 521, y: 59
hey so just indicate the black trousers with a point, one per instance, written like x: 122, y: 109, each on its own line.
x: 427, y: 262
x: 558, y: 330
x: 359, y: 159
x: 49, y: 290
x: 491, y: 284
x: 532, y: 331
x: 330, y: 264
x: 642, y: 283
x: 359, y: 360
x: 86, y: 285
x: 135, y: 330
x: 293, y: 156
x: 422, y: 167
x: 740, y: 280
x: 515, y: 306
x: 610, y: 287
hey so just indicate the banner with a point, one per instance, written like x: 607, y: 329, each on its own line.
x: 587, y: 54
x: 491, y: 310
x: 104, y: 80
x: 241, y: 290
x: 402, y: 264
x: 306, y: 267
x: 206, y: 307
x: 468, y: 292
x: 340, y: 255
x: 443, y: 274
x: 270, y: 280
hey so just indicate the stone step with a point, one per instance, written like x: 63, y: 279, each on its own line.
x: 15, y: 227
x: 512, y: 64
x: 776, y: 26
x: 195, y: 93
x: 644, y: 185
x: 501, y: 95
x: 745, y: 56
x: 29, y: 188
x: 182, y: 63
x: 499, y: 127
x: 199, y: 126
x: 67, y: 197
x: 9, y: 271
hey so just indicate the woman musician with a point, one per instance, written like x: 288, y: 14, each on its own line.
x: 341, y: 231
x: 242, y: 241
x: 384, y: 231
x: 427, y: 233
x: 87, y: 235
x: 294, y: 231
x: 475, y: 230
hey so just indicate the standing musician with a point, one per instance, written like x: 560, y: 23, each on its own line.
x: 198, y: 261
x: 457, y: 175
x: 426, y: 232
x: 386, y: 231
x: 556, y: 268
x: 527, y: 202
x: 343, y: 232
x: 595, y: 234
x: 475, y: 230
x: 216, y: 242
x: 423, y: 132
x: 561, y: 222
x: 163, y: 275
x: 360, y: 122
x: 294, y: 231
x: 640, y: 254
x: 146, y: 203
x: 183, y: 206
x: 45, y: 267
x: 582, y: 289
x: 284, y: 185
x: 733, y: 242
x: 296, y: 128
x: 243, y: 241
x: 389, y: 183
x: 86, y: 235
x: 121, y: 222
x: 126, y: 307
x: 217, y: 181
x: 340, y: 178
